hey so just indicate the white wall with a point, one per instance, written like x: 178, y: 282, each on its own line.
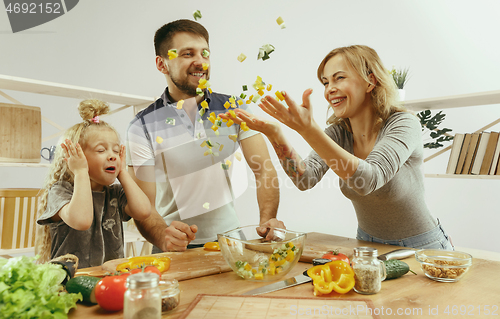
x: 451, y: 48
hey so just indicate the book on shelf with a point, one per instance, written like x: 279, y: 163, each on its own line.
x: 496, y: 159
x: 456, y: 147
x: 488, y: 155
x: 463, y: 153
x: 471, y: 152
x: 481, y: 150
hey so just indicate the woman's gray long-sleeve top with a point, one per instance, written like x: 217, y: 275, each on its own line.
x: 387, y: 189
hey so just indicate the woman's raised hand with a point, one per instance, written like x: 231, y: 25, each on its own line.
x: 253, y: 122
x: 74, y: 156
x: 297, y: 117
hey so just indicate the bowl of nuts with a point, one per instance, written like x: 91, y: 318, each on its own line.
x: 443, y: 265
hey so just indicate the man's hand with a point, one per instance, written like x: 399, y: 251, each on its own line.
x: 266, y: 229
x: 178, y: 235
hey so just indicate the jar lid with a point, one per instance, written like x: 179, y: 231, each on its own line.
x: 142, y: 280
x: 365, y: 252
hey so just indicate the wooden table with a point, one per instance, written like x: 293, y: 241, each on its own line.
x: 411, y: 296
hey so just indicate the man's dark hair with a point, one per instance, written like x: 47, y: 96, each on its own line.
x: 164, y: 35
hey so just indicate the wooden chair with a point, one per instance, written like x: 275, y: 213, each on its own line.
x: 18, y: 208
x: 131, y: 237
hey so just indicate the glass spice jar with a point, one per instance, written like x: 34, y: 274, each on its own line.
x: 143, y: 297
x: 369, y: 272
x: 170, y: 295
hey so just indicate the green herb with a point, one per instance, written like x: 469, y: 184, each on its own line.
x: 265, y: 51
x: 197, y: 15
x: 29, y: 290
x: 400, y: 77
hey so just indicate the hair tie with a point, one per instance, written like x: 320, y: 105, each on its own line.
x: 95, y: 119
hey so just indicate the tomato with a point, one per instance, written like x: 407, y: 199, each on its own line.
x: 152, y: 269
x: 212, y: 246
x: 110, y: 290
x: 335, y: 255
x: 135, y: 270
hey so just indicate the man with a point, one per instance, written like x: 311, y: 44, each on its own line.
x: 179, y: 160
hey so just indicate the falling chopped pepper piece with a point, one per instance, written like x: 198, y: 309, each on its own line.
x: 172, y: 54
x: 159, y: 140
x: 204, y: 104
x: 233, y: 137
x: 242, y: 57
x: 170, y: 121
x: 264, y: 52
x: 205, y: 53
x: 199, y: 91
x: 269, y: 87
x: 237, y: 155
x: 229, y: 123
x: 206, y: 205
x: 197, y: 15
x: 279, y: 96
x: 179, y: 104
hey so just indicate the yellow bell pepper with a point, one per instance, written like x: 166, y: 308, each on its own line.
x: 335, y: 276
x: 162, y: 263
x: 212, y: 246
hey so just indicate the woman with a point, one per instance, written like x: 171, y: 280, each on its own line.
x: 373, y: 145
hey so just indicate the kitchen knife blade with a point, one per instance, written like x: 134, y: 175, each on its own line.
x: 289, y: 282
x: 397, y: 254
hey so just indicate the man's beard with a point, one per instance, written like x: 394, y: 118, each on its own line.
x: 185, y: 87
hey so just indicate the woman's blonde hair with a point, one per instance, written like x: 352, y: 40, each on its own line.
x: 89, y: 110
x: 365, y: 61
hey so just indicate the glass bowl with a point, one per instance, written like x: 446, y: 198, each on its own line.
x: 443, y: 265
x: 253, y: 258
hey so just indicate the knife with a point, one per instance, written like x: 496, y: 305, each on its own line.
x: 303, y: 278
x: 397, y: 254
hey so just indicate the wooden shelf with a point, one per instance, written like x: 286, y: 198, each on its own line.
x: 448, y: 102
x: 69, y: 91
x: 463, y: 176
x: 63, y: 90
x: 24, y: 165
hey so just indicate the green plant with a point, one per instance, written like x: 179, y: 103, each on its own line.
x: 400, y: 77
x: 431, y: 123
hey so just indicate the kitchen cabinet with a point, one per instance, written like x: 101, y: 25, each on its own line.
x: 455, y: 101
x: 69, y: 91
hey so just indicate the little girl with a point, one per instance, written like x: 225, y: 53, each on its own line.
x: 81, y: 211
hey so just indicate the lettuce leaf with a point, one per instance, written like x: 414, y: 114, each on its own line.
x: 30, y: 290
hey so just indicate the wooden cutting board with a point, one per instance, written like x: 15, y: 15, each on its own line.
x: 184, y: 265
x: 261, y: 307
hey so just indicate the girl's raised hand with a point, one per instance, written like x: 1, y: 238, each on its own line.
x: 297, y: 117
x: 253, y: 122
x: 74, y: 156
x: 123, y: 164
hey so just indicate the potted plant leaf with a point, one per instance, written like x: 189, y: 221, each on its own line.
x: 430, y: 123
x: 400, y: 76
